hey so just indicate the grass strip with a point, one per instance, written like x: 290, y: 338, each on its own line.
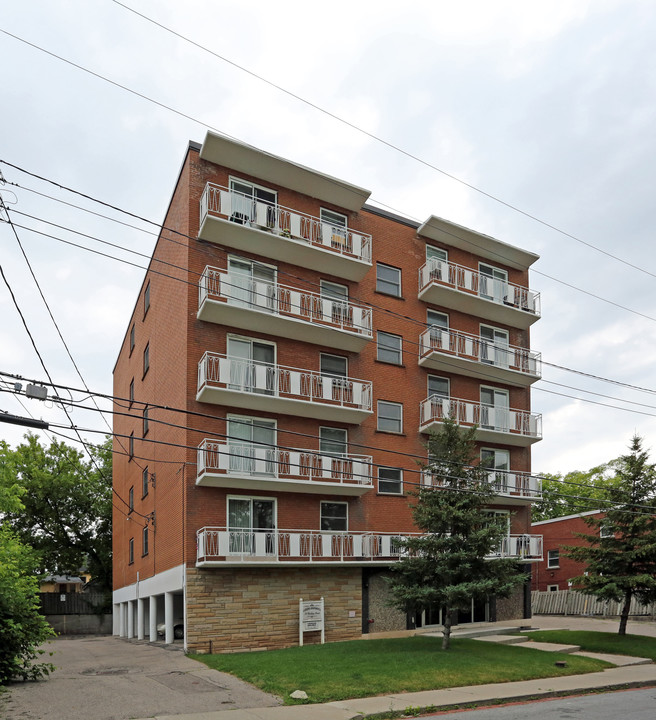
x: 600, y: 642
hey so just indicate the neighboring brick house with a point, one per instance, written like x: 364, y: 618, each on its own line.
x: 289, y: 351
x: 555, y: 570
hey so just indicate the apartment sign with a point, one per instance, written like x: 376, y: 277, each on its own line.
x: 311, y: 618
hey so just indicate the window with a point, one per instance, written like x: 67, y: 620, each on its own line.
x: 144, y: 542
x: 553, y: 558
x: 333, y: 228
x: 494, y: 346
x: 131, y: 339
x: 252, y: 204
x: 390, y: 480
x: 437, y: 319
x: 493, y: 283
x: 606, y: 531
x: 389, y: 348
x: 250, y: 525
x: 131, y: 446
x: 251, y: 444
x: 145, y: 421
x: 144, y: 482
x: 146, y: 298
x: 330, y: 217
x: 552, y: 588
x: 388, y: 280
x: 436, y: 259
x: 390, y: 416
x: 251, y: 284
x: 131, y: 392
x: 146, y: 358
x: 251, y: 365
x: 131, y: 551
x: 334, y: 516
x: 438, y: 387
x: 495, y: 414
x: 131, y: 499
x: 334, y: 365
x: 435, y: 253
x: 333, y: 441
x: 337, y: 309
x: 498, y: 464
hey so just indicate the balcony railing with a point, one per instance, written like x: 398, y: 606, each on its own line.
x: 216, y: 545
x: 512, y: 423
x: 272, y: 464
x: 506, y: 483
x: 456, y: 344
x: 286, y: 222
x: 266, y: 379
x: 281, y: 300
x: 457, y: 277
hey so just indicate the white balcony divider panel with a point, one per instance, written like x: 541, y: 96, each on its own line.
x: 504, y: 482
x: 282, y: 300
x: 250, y: 376
x: 465, y: 412
x: 253, y: 460
x: 264, y: 545
x: 472, y: 347
x: 220, y: 201
x: 466, y: 280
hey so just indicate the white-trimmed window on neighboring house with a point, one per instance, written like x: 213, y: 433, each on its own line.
x: 334, y: 516
x: 390, y: 481
x: 388, y: 280
x: 552, y: 588
x: 553, y: 558
x: 606, y: 531
x: 252, y: 203
x: 389, y: 348
x: 390, y: 416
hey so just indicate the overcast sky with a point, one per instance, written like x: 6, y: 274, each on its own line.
x: 549, y: 107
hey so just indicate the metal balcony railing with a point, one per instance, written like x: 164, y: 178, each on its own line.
x: 507, y: 483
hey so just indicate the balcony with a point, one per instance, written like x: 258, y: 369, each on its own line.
x: 513, y: 487
x: 252, y: 385
x: 220, y: 546
x: 265, y: 307
x: 464, y: 289
x: 474, y: 356
x: 250, y: 466
x: 494, y: 424
x: 238, y: 221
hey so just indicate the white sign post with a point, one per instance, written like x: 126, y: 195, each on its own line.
x: 311, y: 618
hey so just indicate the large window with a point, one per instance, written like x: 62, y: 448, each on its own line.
x: 334, y: 227
x: 553, y: 558
x: 493, y: 283
x: 390, y: 416
x: 334, y: 516
x: 251, y: 446
x: 388, y: 280
x: 436, y: 258
x: 252, y: 204
x: 252, y: 365
x: 494, y: 346
x: 251, y: 522
x: 389, y: 348
x: 390, y: 480
x: 495, y: 414
x: 251, y: 284
x: 498, y: 463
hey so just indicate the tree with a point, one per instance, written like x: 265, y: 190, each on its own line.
x: 621, y: 561
x: 67, y: 503
x: 22, y: 628
x: 449, y: 563
x: 575, y: 492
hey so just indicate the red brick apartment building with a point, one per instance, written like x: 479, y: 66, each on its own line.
x: 555, y: 570
x: 289, y: 351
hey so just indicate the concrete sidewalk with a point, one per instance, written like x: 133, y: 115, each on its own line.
x: 615, y: 678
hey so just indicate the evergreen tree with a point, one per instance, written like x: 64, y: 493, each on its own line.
x: 621, y: 564
x: 449, y: 564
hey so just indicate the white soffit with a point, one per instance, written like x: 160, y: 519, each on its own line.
x: 265, y: 166
x: 436, y: 228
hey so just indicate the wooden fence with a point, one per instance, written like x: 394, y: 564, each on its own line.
x: 74, y: 603
x: 572, y: 602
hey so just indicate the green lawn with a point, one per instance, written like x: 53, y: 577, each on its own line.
x: 364, y: 668
x: 601, y: 642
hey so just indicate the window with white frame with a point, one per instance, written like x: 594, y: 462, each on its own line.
x: 438, y: 387
x: 252, y: 203
x: 497, y: 463
x: 493, y: 283
x: 251, y: 446
x: 437, y: 319
x: 552, y: 588
x: 606, y: 531
x: 495, y: 413
x: 553, y: 558
x: 338, y: 297
x: 390, y: 480
x: 388, y: 280
x: 437, y: 259
x: 251, y: 525
x: 494, y: 346
x: 334, y: 516
x: 252, y: 365
x: 333, y: 441
x: 389, y: 348
x: 435, y: 253
x: 335, y: 223
x: 250, y: 284
x: 390, y: 416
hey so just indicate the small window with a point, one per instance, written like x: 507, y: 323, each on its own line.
x: 145, y: 420
x: 131, y: 393
x: 144, y: 482
x: 146, y: 359
x: 131, y: 551
x: 438, y: 386
x: 146, y: 298
x: 131, y: 499
x: 330, y: 217
x: 553, y: 558
x: 144, y: 542
x: 434, y: 253
x: 131, y: 339
x: 390, y: 416
x: 131, y: 446
x: 552, y: 588
x: 388, y: 280
x: 389, y: 348
x: 438, y: 319
x: 606, y: 531
x: 390, y: 480
x: 332, y: 441
x: 334, y: 516
x: 334, y: 365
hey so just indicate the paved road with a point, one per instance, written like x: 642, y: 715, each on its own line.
x: 633, y: 704
x: 105, y: 678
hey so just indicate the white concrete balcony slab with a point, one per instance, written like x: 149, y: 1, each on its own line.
x: 493, y: 424
x: 474, y: 356
x: 251, y: 385
x: 464, y: 289
x: 514, y: 487
x: 238, y: 221
x: 250, y: 466
x: 221, y: 546
x: 265, y: 307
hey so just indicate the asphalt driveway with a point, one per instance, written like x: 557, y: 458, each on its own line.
x: 105, y: 678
